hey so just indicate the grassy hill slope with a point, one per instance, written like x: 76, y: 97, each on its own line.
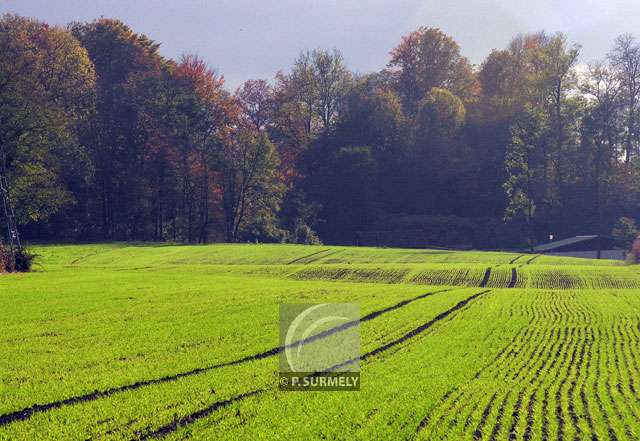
x: 133, y: 341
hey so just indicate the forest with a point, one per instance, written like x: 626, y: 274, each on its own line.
x: 103, y: 138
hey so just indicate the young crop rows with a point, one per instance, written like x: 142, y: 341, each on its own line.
x: 571, y: 373
x: 454, y: 347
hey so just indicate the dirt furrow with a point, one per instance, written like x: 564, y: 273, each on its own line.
x: 485, y: 279
x: 613, y: 436
x: 193, y: 417
x: 497, y: 426
x: 610, y: 395
x: 477, y: 434
x: 528, y: 431
x: 583, y: 386
x: 514, y: 278
x: 452, y: 399
x: 515, y: 417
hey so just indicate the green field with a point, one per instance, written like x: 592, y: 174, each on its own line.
x: 135, y: 341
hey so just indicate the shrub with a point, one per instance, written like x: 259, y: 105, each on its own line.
x: 17, y: 261
x: 304, y: 234
x: 624, y: 232
x: 23, y: 260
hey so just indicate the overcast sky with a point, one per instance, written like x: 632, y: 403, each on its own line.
x: 246, y: 39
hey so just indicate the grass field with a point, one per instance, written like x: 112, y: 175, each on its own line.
x: 134, y: 341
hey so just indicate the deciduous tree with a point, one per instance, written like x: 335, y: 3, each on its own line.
x: 428, y: 58
x: 46, y: 91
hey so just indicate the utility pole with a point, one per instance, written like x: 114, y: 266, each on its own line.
x: 9, y: 215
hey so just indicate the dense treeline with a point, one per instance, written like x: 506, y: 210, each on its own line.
x: 103, y: 138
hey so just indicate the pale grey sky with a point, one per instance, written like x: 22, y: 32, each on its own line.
x: 254, y: 39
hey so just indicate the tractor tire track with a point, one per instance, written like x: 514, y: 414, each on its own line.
x: 316, y: 258
x: 516, y: 259
x: 414, y: 332
x: 307, y: 256
x: 26, y: 413
x: 485, y: 279
x: 514, y: 278
x: 530, y: 261
x: 193, y: 417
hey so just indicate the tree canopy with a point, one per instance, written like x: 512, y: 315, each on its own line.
x: 101, y: 137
